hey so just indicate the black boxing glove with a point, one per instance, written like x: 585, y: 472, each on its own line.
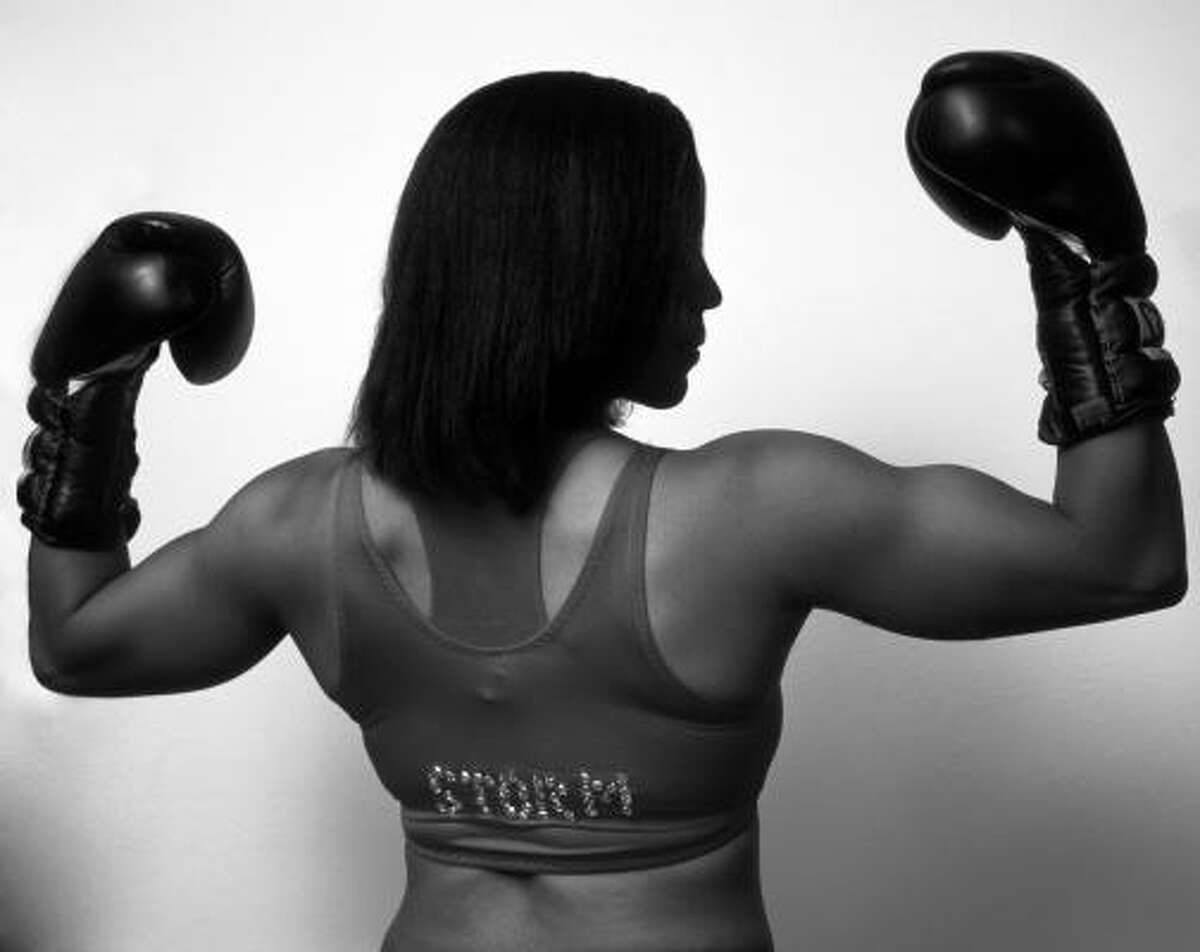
x: 148, y: 277
x: 1007, y: 139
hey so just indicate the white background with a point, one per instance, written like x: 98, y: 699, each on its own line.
x: 1033, y: 793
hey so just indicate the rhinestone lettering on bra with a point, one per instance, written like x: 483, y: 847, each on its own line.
x: 534, y: 794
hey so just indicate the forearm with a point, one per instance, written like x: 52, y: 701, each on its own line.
x: 60, y: 581
x: 1122, y: 490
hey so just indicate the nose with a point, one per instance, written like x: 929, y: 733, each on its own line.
x: 710, y: 291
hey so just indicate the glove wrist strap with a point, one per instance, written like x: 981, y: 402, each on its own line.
x: 80, y: 462
x: 1100, y: 338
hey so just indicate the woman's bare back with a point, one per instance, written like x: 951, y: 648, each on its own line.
x: 718, y: 634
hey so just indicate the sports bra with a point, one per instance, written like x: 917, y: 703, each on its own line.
x: 569, y: 747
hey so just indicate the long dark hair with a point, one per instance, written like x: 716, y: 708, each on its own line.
x: 533, y: 256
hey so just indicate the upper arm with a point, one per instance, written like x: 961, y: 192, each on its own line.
x: 198, y: 611
x: 937, y: 551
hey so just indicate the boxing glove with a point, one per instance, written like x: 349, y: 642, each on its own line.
x: 1002, y: 140
x: 148, y: 278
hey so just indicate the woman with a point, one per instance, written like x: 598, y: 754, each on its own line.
x: 564, y: 647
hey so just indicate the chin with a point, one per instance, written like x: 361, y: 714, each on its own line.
x: 662, y: 397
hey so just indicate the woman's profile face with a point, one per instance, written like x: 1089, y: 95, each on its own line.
x: 662, y: 382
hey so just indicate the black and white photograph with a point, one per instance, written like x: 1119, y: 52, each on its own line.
x: 620, y: 477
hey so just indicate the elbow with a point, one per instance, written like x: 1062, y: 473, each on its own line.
x: 1173, y: 592
x: 49, y: 677
x: 1163, y: 590
x: 45, y: 671
x: 52, y: 679
x: 48, y: 667
x: 1156, y: 577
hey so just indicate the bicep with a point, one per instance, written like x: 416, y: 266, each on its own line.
x: 196, y: 612
x: 936, y: 551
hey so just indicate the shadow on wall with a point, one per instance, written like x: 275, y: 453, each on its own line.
x: 927, y: 798
x: 45, y: 863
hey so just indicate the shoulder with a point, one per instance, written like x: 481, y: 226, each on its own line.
x: 275, y: 527
x: 784, y: 499
x: 288, y: 487
x: 272, y: 517
x: 787, y: 465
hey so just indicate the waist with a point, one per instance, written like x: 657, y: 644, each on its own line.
x: 579, y: 846
x: 711, y: 901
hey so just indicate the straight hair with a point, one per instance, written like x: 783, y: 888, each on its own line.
x: 537, y: 245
